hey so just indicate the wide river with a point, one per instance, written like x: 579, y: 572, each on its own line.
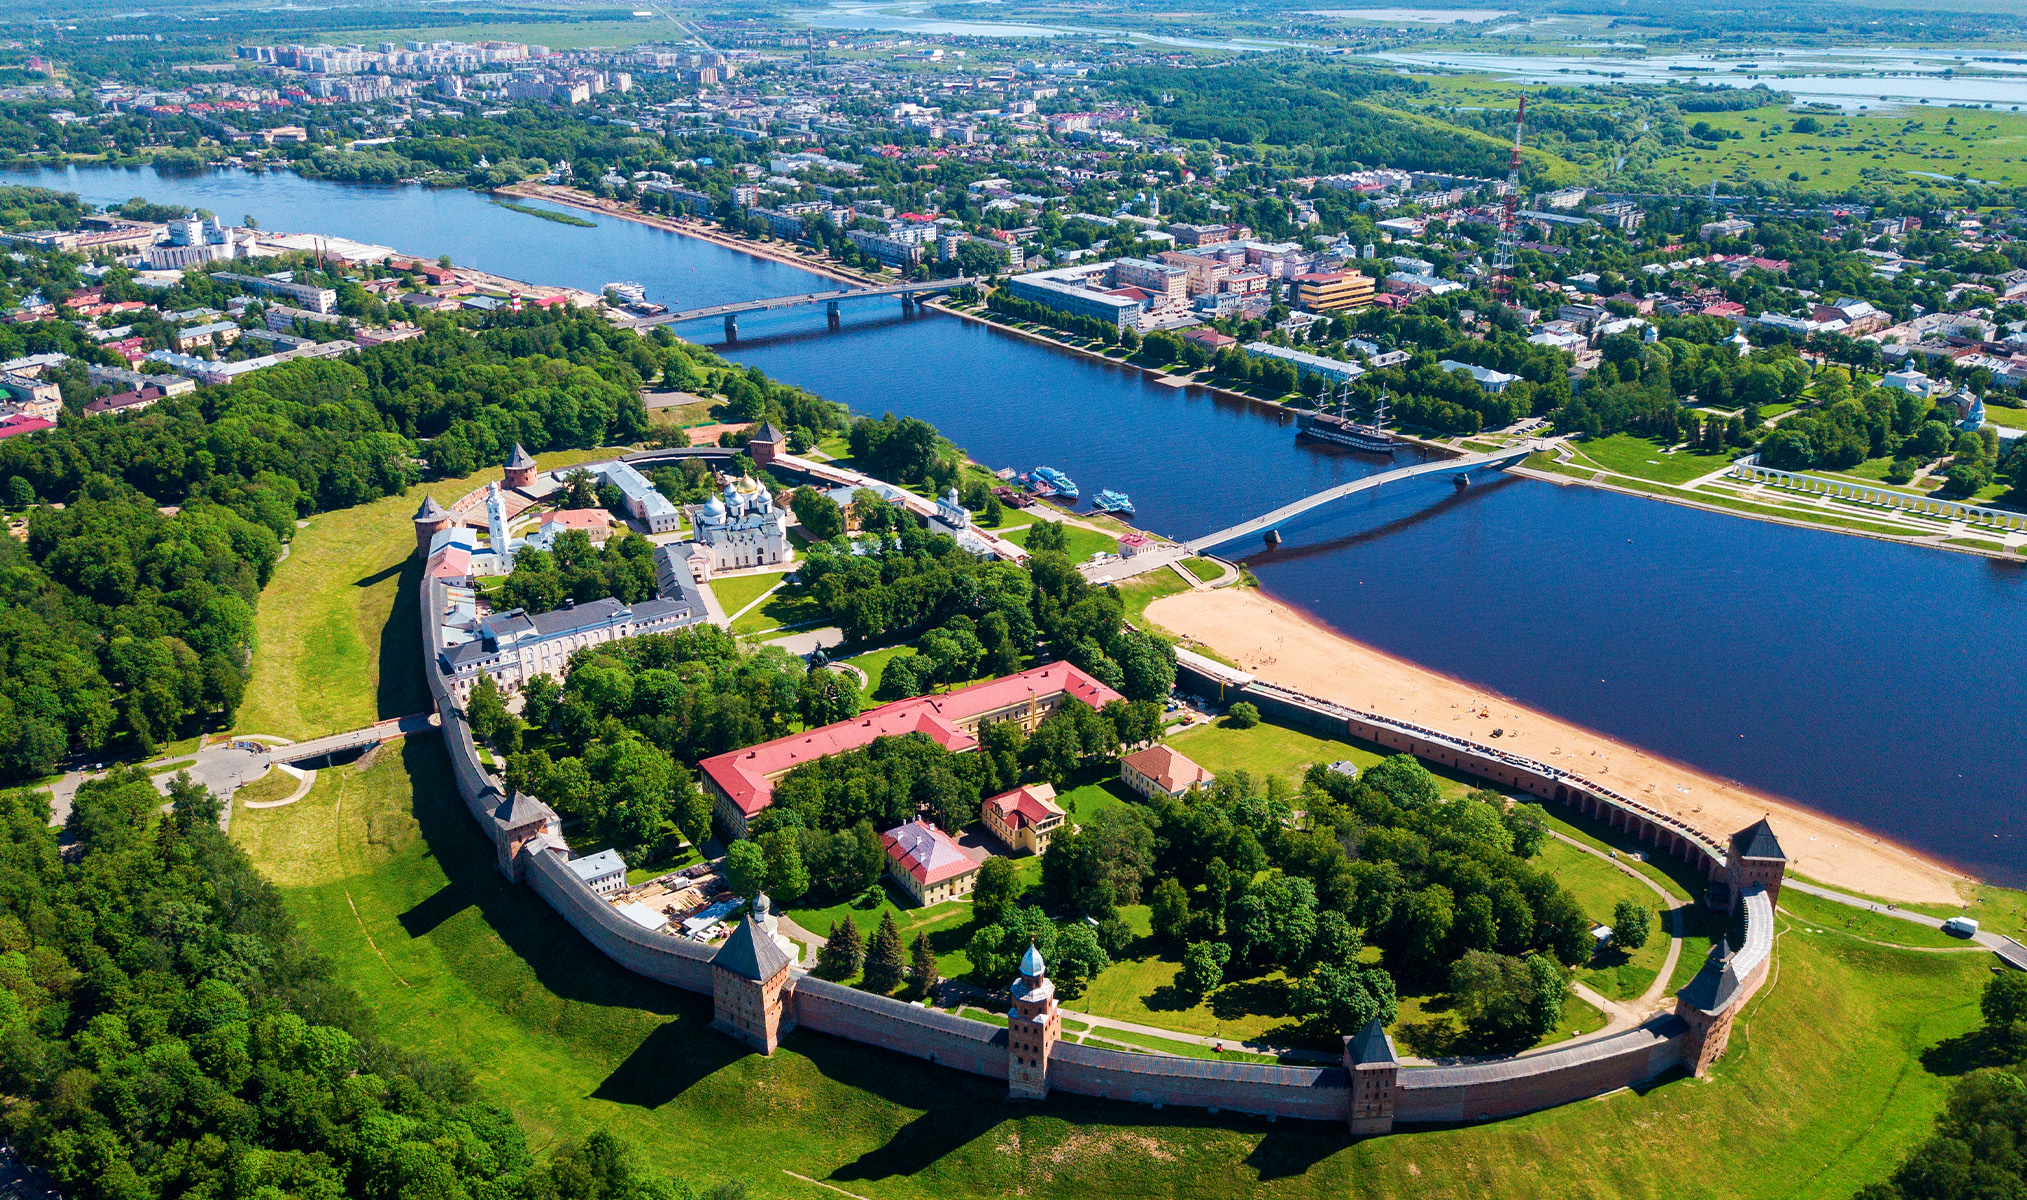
x: 1883, y: 684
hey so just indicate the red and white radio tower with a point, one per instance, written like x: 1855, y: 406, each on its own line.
x: 1509, y: 215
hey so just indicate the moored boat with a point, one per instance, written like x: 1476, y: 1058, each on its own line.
x: 1340, y: 428
x: 1058, y: 483
x: 1112, y: 502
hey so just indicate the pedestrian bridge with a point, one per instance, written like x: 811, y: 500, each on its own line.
x: 1461, y: 467
x: 831, y: 299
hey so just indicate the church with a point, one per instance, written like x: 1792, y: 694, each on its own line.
x: 742, y: 528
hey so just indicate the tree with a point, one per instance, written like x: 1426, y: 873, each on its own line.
x: 827, y: 698
x: 884, y: 963
x: 1168, y: 915
x: 2004, y: 1005
x: 1243, y: 715
x: 1078, y: 958
x: 787, y: 877
x: 843, y: 952
x: 998, y: 886
x: 1631, y: 925
x: 922, y: 969
x: 486, y: 711
x: 1203, y: 966
x: 821, y: 517
x: 1528, y: 823
x: 1274, y: 920
x: 1345, y: 997
x: 1405, y: 781
x: 746, y: 869
x: 1047, y: 537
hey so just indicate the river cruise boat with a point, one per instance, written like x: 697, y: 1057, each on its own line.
x: 1056, y: 483
x: 1340, y: 428
x: 1112, y: 502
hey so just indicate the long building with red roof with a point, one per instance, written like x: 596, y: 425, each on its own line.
x: 741, y: 782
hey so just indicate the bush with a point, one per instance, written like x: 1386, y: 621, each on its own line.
x: 1242, y: 715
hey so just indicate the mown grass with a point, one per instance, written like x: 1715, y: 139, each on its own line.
x: 1599, y: 886
x: 1646, y: 458
x: 1144, y: 590
x: 1081, y: 543
x: 1203, y: 568
x: 1270, y: 750
x: 1833, y: 1071
x: 337, y: 631
x: 735, y: 592
x: 275, y: 785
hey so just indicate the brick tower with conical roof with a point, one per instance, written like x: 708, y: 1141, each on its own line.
x: 431, y: 519
x: 1032, y: 1026
x: 520, y: 468
x: 748, y: 976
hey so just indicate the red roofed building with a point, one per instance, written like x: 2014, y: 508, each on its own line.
x: 594, y: 521
x: 928, y: 863
x: 741, y: 782
x: 1161, y: 771
x: 23, y: 423
x: 1025, y: 818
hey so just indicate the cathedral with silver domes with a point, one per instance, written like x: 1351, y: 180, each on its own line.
x: 743, y: 527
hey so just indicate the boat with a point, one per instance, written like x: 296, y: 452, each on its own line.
x: 1340, y: 428
x: 1058, y: 483
x: 1112, y: 502
x: 627, y: 293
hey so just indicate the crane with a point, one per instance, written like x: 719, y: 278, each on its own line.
x: 1509, y: 214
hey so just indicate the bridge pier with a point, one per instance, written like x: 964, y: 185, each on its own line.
x: 1273, y: 538
x: 832, y: 314
x: 731, y: 327
x: 907, y: 303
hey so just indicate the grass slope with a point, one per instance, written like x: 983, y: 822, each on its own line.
x: 337, y: 626
x: 1832, y: 1072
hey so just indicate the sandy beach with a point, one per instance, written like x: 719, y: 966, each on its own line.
x: 1281, y: 644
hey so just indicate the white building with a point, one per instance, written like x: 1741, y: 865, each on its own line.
x: 603, y: 872
x: 647, y: 505
x: 743, y: 528
x: 1489, y: 379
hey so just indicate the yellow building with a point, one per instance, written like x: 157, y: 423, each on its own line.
x: 1332, y: 291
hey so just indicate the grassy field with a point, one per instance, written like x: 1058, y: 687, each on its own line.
x: 1268, y: 749
x: 1854, y: 148
x: 1203, y: 568
x: 1145, y: 590
x: 1599, y: 886
x: 1833, y: 1071
x: 336, y: 629
x: 277, y: 784
x: 874, y: 664
x: 787, y: 607
x: 735, y: 592
x: 1645, y: 458
x: 1082, y: 542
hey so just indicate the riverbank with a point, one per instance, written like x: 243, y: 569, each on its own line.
x: 1280, y: 644
x: 701, y: 230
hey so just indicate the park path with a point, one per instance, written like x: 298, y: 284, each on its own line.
x: 2012, y: 952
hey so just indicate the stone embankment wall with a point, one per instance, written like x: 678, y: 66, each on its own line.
x: 1440, y: 1094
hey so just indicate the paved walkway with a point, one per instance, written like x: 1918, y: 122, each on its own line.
x: 305, y: 780
x: 2012, y: 952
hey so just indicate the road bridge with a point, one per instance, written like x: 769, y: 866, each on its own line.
x: 831, y: 299
x: 1461, y: 467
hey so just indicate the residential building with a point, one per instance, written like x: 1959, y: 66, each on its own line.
x: 1489, y: 379
x: 170, y: 385
x: 741, y: 782
x: 119, y: 402
x: 1025, y: 818
x: 35, y: 397
x: 320, y: 300
x: 1067, y: 290
x: 514, y: 646
x: 1307, y: 364
x: 647, y: 505
x: 1162, y: 771
x: 603, y: 872
x: 928, y: 863
x: 1332, y: 291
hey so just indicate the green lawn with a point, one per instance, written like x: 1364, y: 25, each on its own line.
x: 735, y: 592
x: 874, y: 664
x: 1818, y: 913
x: 1270, y: 749
x: 949, y: 924
x: 1145, y: 590
x: 789, y: 606
x: 1203, y: 568
x: 336, y: 628
x: 2010, y: 418
x: 1082, y: 542
x: 1086, y: 801
x: 1598, y: 887
x: 1428, y: 1027
x: 1146, y: 1041
x: 1824, y: 1088
x: 1644, y: 458
x: 277, y: 784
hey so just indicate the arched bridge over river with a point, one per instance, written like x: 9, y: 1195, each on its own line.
x: 1268, y: 524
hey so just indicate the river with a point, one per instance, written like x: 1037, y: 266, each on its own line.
x: 1879, y: 683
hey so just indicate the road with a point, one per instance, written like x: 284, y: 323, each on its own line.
x: 2012, y: 952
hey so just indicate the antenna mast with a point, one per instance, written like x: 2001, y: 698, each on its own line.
x: 1509, y: 214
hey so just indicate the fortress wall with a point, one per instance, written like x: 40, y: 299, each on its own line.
x: 669, y: 960
x: 941, y: 1038
x: 1317, y: 1093
x: 1517, y: 1085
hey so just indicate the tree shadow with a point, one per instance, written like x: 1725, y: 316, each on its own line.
x: 1966, y: 1052
x: 1250, y: 998
x: 678, y: 1055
